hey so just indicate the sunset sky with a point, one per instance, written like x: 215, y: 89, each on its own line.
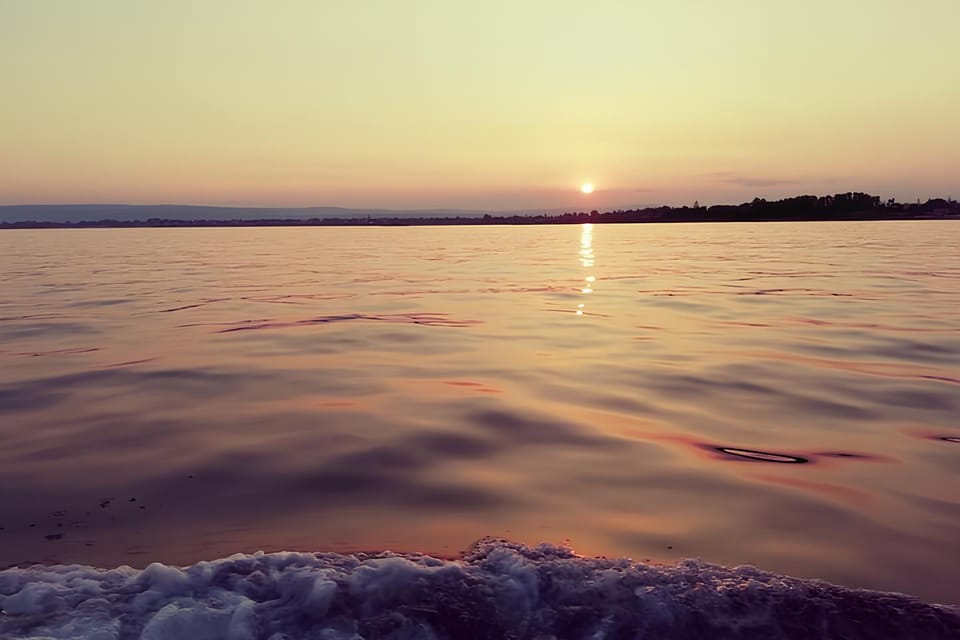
x: 495, y: 104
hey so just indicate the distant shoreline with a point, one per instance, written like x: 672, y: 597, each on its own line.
x: 429, y: 222
x: 839, y: 207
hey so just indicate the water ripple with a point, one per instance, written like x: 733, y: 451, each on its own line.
x: 426, y: 319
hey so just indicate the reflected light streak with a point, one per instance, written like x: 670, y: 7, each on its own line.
x: 586, y: 245
x: 587, y: 261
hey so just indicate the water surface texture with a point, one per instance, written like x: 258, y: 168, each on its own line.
x: 780, y: 394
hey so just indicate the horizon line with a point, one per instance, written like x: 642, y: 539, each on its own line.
x: 696, y: 202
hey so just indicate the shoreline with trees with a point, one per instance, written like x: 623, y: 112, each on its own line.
x: 841, y: 206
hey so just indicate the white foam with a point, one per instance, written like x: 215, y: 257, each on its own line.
x: 498, y: 590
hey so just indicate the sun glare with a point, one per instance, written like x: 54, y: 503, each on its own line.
x: 586, y: 187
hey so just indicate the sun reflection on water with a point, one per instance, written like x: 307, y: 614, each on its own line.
x: 587, y: 261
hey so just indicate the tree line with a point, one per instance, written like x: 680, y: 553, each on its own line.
x: 841, y: 206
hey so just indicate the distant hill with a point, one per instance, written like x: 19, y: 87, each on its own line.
x: 141, y: 212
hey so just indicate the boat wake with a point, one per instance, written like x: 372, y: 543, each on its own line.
x: 498, y: 589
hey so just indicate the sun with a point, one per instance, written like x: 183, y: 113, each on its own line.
x: 586, y: 187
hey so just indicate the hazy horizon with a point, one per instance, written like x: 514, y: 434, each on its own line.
x: 583, y: 204
x: 437, y: 105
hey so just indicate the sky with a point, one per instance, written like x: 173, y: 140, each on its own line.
x: 477, y: 105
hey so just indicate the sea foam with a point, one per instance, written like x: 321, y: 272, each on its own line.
x: 498, y: 589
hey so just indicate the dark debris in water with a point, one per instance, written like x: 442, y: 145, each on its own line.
x: 82, y: 523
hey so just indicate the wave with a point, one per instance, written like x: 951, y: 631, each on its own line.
x: 497, y: 590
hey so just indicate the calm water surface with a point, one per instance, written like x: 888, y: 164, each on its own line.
x: 780, y: 394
